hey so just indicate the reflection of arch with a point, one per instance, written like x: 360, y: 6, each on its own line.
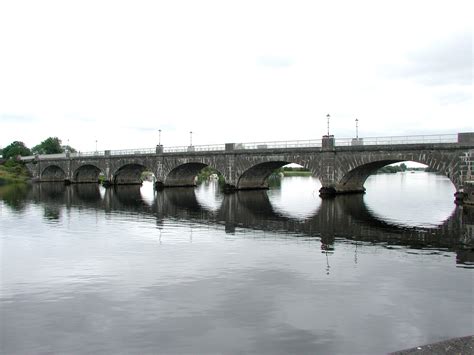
x: 86, y: 174
x: 181, y: 200
x: 126, y: 196
x: 53, y: 173
x: 208, y: 197
x: 129, y: 174
x: 353, y: 173
x: 87, y: 193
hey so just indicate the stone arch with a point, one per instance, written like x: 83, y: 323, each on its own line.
x: 87, y: 173
x: 184, y: 174
x: 53, y: 173
x: 129, y: 174
x: 255, y: 177
x: 353, y: 172
x: 253, y: 174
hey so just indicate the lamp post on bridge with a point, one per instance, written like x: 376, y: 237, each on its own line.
x: 159, y: 147
x: 190, y: 148
x: 357, y: 140
x: 96, y: 145
x: 328, y: 117
x: 328, y: 140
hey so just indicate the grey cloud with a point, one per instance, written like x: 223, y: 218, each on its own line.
x: 444, y: 63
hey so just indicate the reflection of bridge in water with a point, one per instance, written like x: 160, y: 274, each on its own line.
x: 341, y: 218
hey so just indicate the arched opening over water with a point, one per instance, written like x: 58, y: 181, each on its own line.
x: 353, y: 179
x: 410, y: 195
x: 261, y: 176
x: 256, y: 176
x: 87, y: 174
x: 191, y: 174
x: 132, y: 174
x: 53, y: 173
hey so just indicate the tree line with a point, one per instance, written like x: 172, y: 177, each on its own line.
x: 51, y: 145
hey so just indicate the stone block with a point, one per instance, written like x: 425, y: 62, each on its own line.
x: 469, y: 192
x: 328, y: 142
x: 466, y: 138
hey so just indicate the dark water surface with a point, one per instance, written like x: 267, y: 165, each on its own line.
x: 133, y: 271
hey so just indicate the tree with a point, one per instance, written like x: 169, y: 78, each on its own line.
x: 51, y: 145
x: 68, y: 148
x: 403, y: 166
x: 14, y: 149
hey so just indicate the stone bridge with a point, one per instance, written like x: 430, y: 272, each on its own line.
x: 342, y: 166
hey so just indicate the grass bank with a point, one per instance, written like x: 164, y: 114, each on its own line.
x: 13, y: 172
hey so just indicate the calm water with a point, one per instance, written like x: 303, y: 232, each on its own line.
x: 133, y: 271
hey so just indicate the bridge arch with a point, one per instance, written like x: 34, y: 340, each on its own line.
x: 254, y: 175
x: 87, y: 173
x: 129, y: 174
x: 185, y: 174
x: 353, y: 173
x: 53, y: 173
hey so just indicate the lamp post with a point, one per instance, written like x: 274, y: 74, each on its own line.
x: 190, y: 138
x: 159, y: 137
x: 328, y: 117
x: 96, y: 145
x: 357, y: 128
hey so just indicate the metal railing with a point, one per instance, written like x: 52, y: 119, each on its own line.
x: 311, y: 143
x: 133, y: 151
x: 88, y: 154
x: 280, y: 144
x: 195, y: 148
x: 393, y: 140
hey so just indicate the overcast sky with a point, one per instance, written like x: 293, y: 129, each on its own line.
x: 232, y: 71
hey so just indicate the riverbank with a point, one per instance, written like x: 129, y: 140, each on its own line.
x: 13, y: 172
x: 296, y: 173
x: 455, y: 346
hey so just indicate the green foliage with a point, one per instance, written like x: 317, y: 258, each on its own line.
x: 290, y: 171
x: 392, y: 169
x: 51, y: 145
x: 12, y: 171
x: 205, y: 174
x: 68, y: 148
x: 15, y: 149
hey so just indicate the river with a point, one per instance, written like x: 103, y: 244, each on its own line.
x: 130, y: 270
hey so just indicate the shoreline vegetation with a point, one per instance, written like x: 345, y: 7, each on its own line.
x: 13, y: 172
